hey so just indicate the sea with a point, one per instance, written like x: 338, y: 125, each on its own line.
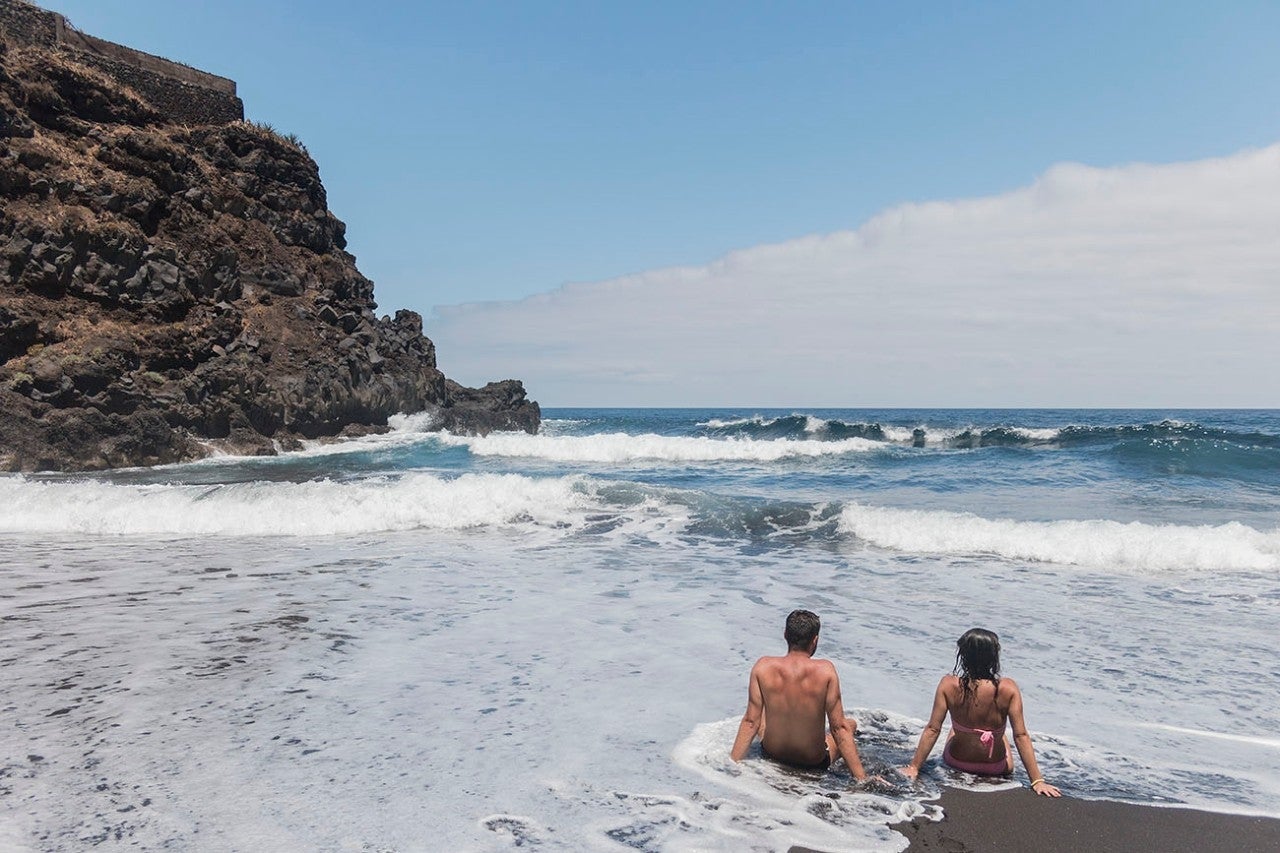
x: 423, y: 641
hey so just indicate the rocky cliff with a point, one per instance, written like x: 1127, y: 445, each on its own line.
x: 166, y: 289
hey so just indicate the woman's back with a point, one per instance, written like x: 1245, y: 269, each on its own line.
x: 985, y: 707
x: 981, y: 704
x: 978, y: 716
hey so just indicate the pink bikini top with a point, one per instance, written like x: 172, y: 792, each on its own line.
x: 987, y: 736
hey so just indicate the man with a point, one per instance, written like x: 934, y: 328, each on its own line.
x: 792, y: 694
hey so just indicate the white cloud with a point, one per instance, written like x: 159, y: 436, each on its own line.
x: 1140, y: 285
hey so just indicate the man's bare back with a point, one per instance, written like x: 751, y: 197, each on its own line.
x: 790, y: 702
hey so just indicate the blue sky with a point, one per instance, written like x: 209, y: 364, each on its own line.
x: 495, y: 151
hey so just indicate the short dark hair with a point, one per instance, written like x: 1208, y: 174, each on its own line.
x: 802, y: 627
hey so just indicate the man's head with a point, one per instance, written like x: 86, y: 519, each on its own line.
x: 802, y: 630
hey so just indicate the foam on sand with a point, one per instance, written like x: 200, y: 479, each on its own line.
x: 825, y: 811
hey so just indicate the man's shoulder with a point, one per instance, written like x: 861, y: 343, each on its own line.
x: 823, y: 665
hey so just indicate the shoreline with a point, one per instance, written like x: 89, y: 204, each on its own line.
x: 1014, y: 820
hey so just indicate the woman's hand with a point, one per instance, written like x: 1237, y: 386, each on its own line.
x: 910, y: 772
x: 1044, y: 789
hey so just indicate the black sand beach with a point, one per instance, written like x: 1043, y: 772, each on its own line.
x: 1017, y: 820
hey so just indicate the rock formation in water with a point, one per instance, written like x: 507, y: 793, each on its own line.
x: 167, y: 286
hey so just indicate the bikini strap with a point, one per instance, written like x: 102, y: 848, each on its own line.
x: 987, y: 736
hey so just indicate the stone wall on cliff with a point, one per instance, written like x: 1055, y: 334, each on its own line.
x: 167, y: 289
x: 183, y: 94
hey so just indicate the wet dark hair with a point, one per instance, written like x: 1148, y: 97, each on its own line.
x: 802, y: 627
x: 977, y: 659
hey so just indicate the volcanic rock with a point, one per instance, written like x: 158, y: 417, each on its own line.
x: 168, y: 288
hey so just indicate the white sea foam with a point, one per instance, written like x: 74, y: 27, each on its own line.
x: 776, y: 804
x: 717, y: 423
x: 1252, y: 740
x: 1048, y: 434
x: 815, y: 425
x: 415, y: 500
x: 1098, y: 543
x: 558, y: 426
x: 405, y: 430
x: 415, y: 422
x: 812, y: 423
x: 620, y: 447
x: 932, y: 435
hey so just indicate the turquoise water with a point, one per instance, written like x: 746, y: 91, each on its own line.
x: 419, y: 641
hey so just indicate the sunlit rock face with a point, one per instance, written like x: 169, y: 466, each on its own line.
x: 169, y: 288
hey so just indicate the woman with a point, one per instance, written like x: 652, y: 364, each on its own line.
x: 980, y: 702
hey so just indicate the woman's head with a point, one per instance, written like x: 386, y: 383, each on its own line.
x: 977, y: 657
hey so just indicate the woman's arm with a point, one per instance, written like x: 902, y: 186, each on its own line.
x: 932, y: 729
x: 1022, y: 740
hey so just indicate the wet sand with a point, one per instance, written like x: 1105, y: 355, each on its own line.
x: 1018, y: 820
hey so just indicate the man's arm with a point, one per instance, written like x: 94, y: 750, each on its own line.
x: 751, y: 719
x: 840, y: 728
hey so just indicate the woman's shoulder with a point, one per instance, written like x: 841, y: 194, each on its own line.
x: 1007, y: 687
x: 949, y: 683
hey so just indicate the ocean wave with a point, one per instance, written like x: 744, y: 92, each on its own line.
x: 1203, y: 457
x: 620, y: 447
x: 754, y: 420
x: 555, y: 507
x: 1099, y: 543
x: 318, y: 507
x: 799, y: 425
x: 1170, y: 446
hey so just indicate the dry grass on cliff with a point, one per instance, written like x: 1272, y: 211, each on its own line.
x: 29, y: 62
x: 266, y: 130
x: 39, y: 74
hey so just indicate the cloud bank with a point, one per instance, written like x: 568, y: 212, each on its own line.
x: 1140, y: 285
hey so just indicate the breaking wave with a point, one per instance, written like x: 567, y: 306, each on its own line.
x: 961, y: 437
x: 1098, y: 543
x: 620, y: 447
x: 573, y: 505
x: 259, y: 508
x: 800, y: 426
x: 1165, y: 447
